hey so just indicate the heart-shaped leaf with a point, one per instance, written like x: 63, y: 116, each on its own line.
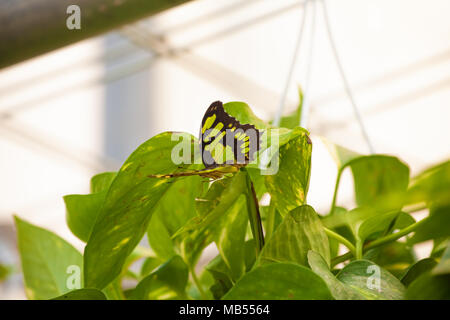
x: 300, y: 231
x: 51, y: 266
x: 167, y: 282
x: 280, y: 281
x: 82, y: 209
x: 371, y: 281
x: 417, y: 269
x: 128, y: 208
x: 289, y: 186
x: 339, y: 290
x: 82, y: 294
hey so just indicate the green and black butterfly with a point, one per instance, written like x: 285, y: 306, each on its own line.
x: 226, y: 145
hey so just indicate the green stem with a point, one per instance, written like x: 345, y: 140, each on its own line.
x: 395, y: 236
x: 270, y: 220
x: 341, y: 258
x: 254, y: 215
x: 359, y: 249
x: 114, y: 291
x: 381, y: 241
x: 198, y: 284
x: 336, y: 187
x: 340, y: 239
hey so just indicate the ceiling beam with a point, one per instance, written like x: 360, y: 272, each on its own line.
x: 30, y: 28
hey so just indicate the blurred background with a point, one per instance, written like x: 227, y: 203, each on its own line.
x: 82, y: 109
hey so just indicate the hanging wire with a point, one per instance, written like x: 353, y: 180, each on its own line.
x: 344, y: 79
x: 276, y: 121
x: 309, y: 62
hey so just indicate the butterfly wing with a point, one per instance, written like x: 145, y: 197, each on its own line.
x: 226, y: 144
x: 224, y: 140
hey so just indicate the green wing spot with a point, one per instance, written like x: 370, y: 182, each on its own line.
x: 216, y: 141
x: 208, y: 123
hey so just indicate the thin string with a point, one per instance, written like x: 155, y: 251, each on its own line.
x: 309, y: 62
x: 344, y: 79
x: 276, y: 121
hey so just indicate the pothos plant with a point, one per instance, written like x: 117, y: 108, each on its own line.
x: 145, y: 228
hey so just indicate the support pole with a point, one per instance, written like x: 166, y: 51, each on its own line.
x: 29, y: 28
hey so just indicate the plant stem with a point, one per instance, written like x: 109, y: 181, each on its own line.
x: 341, y: 258
x: 336, y: 187
x: 254, y: 215
x: 381, y: 241
x: 395, y: 236
x: 270, y: 220
x: 359, y: 249
x: 198, y: 284
x: 340, y: 239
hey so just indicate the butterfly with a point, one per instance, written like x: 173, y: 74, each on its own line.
x: 226, y: 145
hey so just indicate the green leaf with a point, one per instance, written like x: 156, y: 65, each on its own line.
x: 379, y: 180
x: 395, y: 257
x: 4, y: 272
x: 202, y: 229
x: 250, y: 254
x: 300, y: 231
x: 159, y: 238
x: 374, y: 224
x: 102, y: 181
x: 47, y: 262
x: 113, y: 291
x: 258, y: 181
x: 177, y: 206
x: 417, y: 269
x: 443, y: 266
x: 439, y: 246
x: 429, y: 287
x: 271, y: 219
x: 209, y: 201
x: 226, y: 196
x: 288, y: 187
x: 431, y: 186
x: 271, y: 141
x: 242, y: 112
x: 82, y: 209
x: 293, y: 120
x: 167, y: 282
x: 174, y: 210
x: 221, y: 275
x: 362, y: 221
x: 230, y: 239
x: 280, y: 281
x: 127, y: 209
x: 436, y: 226
x: 342, y: 156
x: 82, y: 294
x: 403, y: 220
x: 339, y: 290
x: 363, y: 275
x: 149, y: 265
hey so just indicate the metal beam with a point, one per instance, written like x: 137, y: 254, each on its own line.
x: 29, y: 28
